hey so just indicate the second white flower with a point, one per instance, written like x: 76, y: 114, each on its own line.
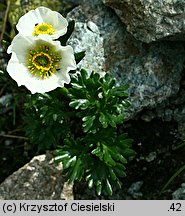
x: 41, y: 21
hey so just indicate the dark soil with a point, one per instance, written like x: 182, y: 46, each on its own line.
x: 14, y: 148
x: 160, y: 137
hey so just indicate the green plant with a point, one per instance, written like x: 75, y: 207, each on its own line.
x: 97, y: 152
x: 82, y: 122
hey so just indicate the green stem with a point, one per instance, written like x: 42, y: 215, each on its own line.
x: 5, y: 20
x: 173, y: 177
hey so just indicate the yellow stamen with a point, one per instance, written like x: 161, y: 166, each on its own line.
x: 43, y: 28
x: 43, y: 61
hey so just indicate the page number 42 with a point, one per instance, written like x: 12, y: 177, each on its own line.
x: 175, y: 207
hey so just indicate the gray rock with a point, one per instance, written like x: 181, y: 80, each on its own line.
x: 134, y: 190
x: 179, y: 194
x: 181, y: 130
x: 179, y: 117
x: 147, y: 116
x: 152, y: 156
x: 151, y: 20
x: 39, y: 179
x: 87, y: 37
x: 153, y: 71
x: 6, y: 103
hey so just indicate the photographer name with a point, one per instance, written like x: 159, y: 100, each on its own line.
x: 75, y: 206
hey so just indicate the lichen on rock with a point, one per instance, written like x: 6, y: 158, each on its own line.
x: 40, y: 179
x: 150, y: 20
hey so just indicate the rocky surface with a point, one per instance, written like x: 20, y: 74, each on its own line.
x: 39, y: 179
x: 179, y: 194
x: 172, y: 110
x: 153, y: 71
x: 150, y: 20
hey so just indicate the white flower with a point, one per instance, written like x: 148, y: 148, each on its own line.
x: 40, y: 63
x: 42, y: 21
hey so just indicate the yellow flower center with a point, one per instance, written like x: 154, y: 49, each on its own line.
x: 43, y: 61
x: 43, y: 28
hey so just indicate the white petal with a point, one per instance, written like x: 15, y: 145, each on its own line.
x: 17, y: 71
x: 42, y: 85
x: 58, y: 22
x: 26, y: 23
x: 20, y: 45
x: 68, y: 61
x: 63, y: 77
